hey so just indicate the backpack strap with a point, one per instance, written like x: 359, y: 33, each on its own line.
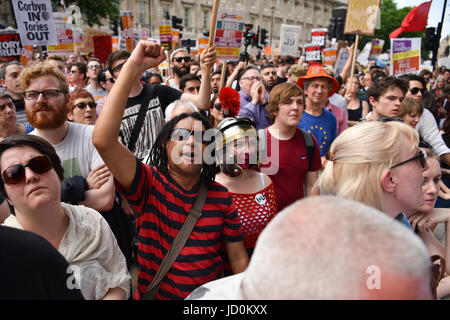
x: 309, y: 145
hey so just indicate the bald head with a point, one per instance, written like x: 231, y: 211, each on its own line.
x: 333, y: 248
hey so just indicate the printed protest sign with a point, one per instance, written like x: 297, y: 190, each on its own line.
x: 377, y: 47
x: 362, y: 17
x: 26, y: 55
x: 127, y: 29
x: 10, y: 47
x: 202, y: 44
x: 318, y: 36
x: 165, y: 34
x: 342, y: 58
x: 329, y: 56
x: 363, y: 57
x: 289, y: 39
x: 64, y: 35
x: 405, y: 56
x: 35, y: 22
x: 102, y: 47
x: 313, y: 53
x: 229, y: 32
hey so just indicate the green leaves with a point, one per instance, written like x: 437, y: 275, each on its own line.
x: 94, y: 10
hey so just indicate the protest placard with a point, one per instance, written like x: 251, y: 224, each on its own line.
x: 229, y: 32
x: 165, y: 34
x: 102, y: 47
x: 363, y: 57
x: 329, y: 56
x: 377, y: 47
x: 127, y: 29
x: 362, y: 17
x: 318, y: 36
x: 289, y: 39
x: 26, y: 55
x: 202, y: 44
x: 64, y: 35
x: 10, y: 47
x: 405, y: 55
x: 35, y: 22
x: 313, y: 53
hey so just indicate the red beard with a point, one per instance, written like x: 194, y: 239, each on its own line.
x: 52, y: 119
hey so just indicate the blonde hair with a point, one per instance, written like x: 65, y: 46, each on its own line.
x: 40, y: 70
x: 360, y: 155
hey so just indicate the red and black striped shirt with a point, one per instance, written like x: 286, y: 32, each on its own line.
x: 161, y: 207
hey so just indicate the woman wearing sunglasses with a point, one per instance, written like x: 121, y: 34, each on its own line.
x: 31, y: 175
x: 377, y: 163
x: 225, y: 104
x: 82, y: 107
x: 253, y: 192
x: 425, y: 219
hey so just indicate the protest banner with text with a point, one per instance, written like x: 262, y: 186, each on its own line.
x: 289, y: 41
x: 229, y: 32
x: 10, y: 47
x: 405, y: 56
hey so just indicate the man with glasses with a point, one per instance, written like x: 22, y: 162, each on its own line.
x: 254, y: 98
x: 427, y: 126
x: 77, y: 76
x: 94, y: 66
x: 180, y: 64
x: 147, y: 103
x: 46, y: 93
x: 106, y: 81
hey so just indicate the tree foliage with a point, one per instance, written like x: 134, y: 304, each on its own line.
x: 94, y: 10
x: 391, y: 19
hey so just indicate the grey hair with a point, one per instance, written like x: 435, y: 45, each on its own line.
x: 179, y: 103
x: 323, y: 248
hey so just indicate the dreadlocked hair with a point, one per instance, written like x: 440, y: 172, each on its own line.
x: 158, y: 153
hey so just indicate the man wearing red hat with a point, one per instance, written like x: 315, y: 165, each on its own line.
x: 317, y: 120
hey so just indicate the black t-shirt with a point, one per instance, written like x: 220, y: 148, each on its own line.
x: 32, y: 269
x: 159, y: 97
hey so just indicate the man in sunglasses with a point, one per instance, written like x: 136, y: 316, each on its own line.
x: 427, y: 126
x: 106, y: 81
x: 46, y: 106
x: 180, y: 64
x: 147, y: 103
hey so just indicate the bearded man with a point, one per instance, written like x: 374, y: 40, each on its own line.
x: 180, y: 64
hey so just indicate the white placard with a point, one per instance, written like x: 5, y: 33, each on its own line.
x: 289, y: 39
x: 35, y: 22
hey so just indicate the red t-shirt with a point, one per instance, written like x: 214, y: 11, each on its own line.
x: 288, y: 164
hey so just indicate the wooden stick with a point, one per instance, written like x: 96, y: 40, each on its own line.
x: 355, y: 51
x: 222, y: 76
x: 212, y: 27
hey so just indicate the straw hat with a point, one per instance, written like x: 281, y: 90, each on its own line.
x: 318, y: 72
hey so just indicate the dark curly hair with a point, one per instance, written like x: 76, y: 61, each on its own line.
x: 158, y: 154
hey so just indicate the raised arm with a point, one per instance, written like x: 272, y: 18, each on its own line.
x: 202, y: 100
x: 120, y: 161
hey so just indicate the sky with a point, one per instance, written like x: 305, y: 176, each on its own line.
x: 435, y: 14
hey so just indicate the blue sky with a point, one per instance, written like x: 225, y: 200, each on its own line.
x: 435, y: 15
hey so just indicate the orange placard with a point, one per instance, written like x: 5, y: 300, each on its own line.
x: 127, y: 31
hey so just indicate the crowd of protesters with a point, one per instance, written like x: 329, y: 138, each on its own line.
x: 103, y: 164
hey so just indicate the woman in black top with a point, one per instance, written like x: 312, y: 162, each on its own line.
x: 356, y: 107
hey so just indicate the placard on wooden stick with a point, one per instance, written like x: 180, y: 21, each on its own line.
x: 362, y: 17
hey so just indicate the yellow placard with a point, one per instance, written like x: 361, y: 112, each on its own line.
x: 362, y: 17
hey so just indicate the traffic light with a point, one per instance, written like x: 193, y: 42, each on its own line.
x: 263, y: 39
x: 430, y: 39
x: 114, y: 26
x: 176, y: 23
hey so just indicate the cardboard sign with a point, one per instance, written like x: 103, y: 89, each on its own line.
x: 229, y: 32
x: 127, y: 29
x: 35, y: 22
x: 405, y: 56
x: 102, y: 47
x: 64, y: 35
x: 165, y: 34
x: 313, y: 53
x: 289, y: 40
x: 10, y: 47
x: 362, y: 17
x: 318, y: 36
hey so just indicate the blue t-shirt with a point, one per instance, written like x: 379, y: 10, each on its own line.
x: 323, y: 128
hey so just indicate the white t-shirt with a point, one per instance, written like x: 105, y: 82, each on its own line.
x: 76, y: 151
x: 97, y: 94
x: 90, y: 248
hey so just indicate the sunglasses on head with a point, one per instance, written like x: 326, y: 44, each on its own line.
x: 16, y: 173
x: 179, y: 59
x: 416, y: 90
x: 182, y: 134
x: 83, y: 105
x: 421, y: 156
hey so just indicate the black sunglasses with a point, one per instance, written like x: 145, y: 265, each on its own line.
x: 218, y: 106
x: 118, y: 67
x: 416, y: 90
x: 16, y: 173
x: 83, y: 105
x: 390, y: 119
x: 110, y: 80
x: 179, y: 59
x: 182, y: 134
x: 421, y: 156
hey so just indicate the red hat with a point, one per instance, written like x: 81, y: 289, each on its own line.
x: 230, y: 100
x: 316, y: 71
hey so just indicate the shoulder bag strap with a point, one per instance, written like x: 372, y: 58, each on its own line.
x: 139, y: 122
x: 178, y: 243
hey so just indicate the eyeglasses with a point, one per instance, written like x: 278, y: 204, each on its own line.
x: 83, y: 105
x: 94, y: 66
x: 218, y: 106
x: 390, y: 119
x: 118, y: 67
x: 416, y: 90
x: 110, y: 80
x: 16, y: 174
x: 421, y: 156
x: 48, y: 94
x: 252, y: 78
x: 182, y: 134
x: 179, y: 59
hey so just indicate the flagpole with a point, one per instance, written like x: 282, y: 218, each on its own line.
x: 439, y: 31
